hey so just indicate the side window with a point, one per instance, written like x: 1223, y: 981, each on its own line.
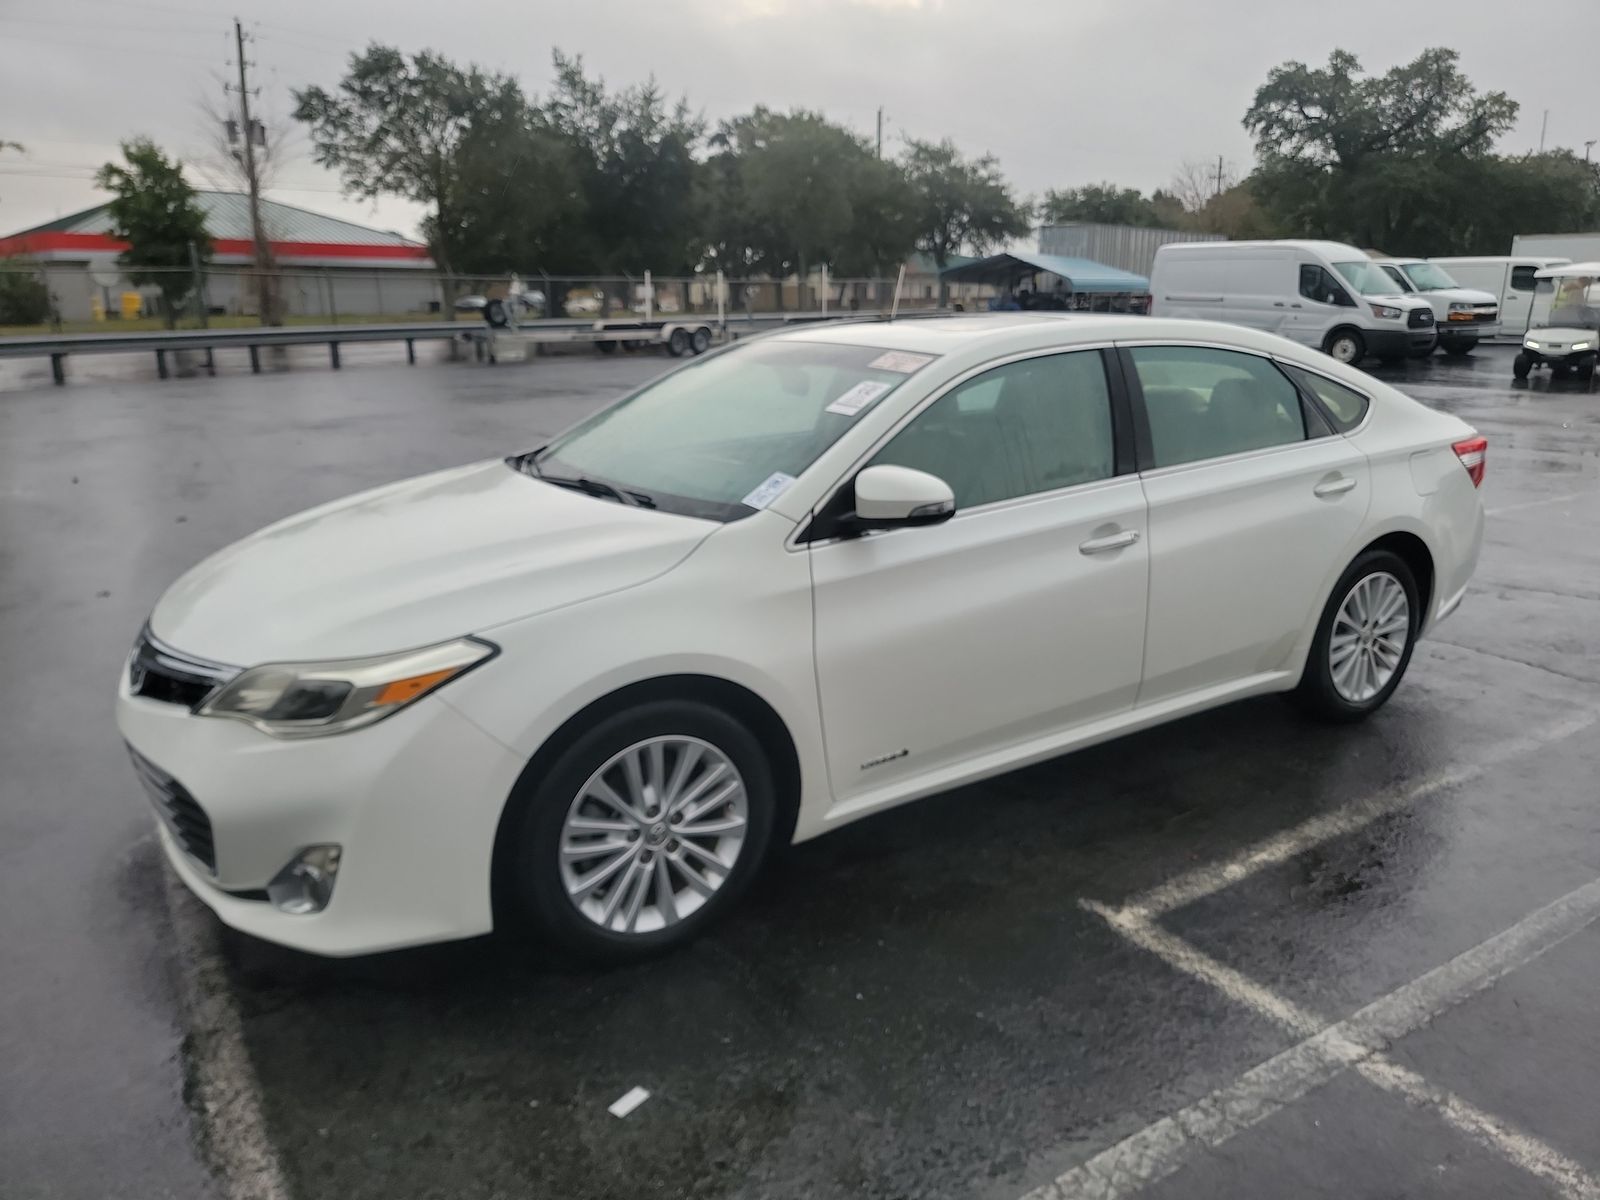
x: 1398, y: 276
x: 1026, y: 427
x: 1205, y: 403
x: 1344, y: 406
x: 1522, y: 277
x: 1316, y: 284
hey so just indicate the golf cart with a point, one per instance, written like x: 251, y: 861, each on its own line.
x: 1564, y: 323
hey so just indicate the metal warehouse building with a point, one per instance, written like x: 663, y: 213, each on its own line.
x: 1126, y: 247
x: 327, y: 265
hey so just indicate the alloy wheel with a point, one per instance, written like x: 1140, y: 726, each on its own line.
x: 653, y: 834
x: 1369, y: 639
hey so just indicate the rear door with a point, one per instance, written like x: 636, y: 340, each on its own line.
x: 1253, y: 499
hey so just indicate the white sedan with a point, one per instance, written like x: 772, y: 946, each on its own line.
x: 802, y: 580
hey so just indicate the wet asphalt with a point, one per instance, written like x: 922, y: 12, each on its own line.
x: 915, y: 1006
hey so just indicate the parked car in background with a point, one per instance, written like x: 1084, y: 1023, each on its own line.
x: 519, y: 305
x: 805, y: 579
x: 1326, y: 295
x: 1463, y: 316
x: 1509, y: 278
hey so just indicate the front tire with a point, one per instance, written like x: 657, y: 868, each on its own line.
x: 1364, y: 640
x: 678, y: 343
x: 641, y: 833
x: 701, y: 341
x: 1521, y: 366
x: 1457, y: 347
x: 1346, y: 346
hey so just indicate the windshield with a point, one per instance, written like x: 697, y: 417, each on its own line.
x: 1426, y: 277
x: 1367, y: 278
x: 1567, y: 301
x: 726, y: 435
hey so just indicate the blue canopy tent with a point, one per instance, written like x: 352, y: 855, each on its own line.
x: 1069, y: 283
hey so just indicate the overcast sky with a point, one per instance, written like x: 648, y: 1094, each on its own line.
x: 1063, y: 92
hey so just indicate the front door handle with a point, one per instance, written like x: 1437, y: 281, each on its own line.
x: 1112, y: 541
x: 1334, y: 487
x: 1294, y: 306
x: 1277, y: 304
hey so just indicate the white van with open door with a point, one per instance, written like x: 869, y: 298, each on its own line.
x: 1322, y: 294
x: 1509, y: 277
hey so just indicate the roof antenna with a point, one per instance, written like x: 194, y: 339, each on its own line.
x: 898, y: 284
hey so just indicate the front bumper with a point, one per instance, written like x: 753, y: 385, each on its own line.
x: 1467, y: 330
x: 414, y: 801
x: 1396, y: 343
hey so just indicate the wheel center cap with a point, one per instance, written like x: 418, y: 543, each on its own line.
x: 656, y: 834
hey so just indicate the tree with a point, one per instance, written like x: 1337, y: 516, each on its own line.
x: 635, y: 160
x: 155, y: 212
x: 1101, y: 203
x: 1196, y: 183
x: 1365, y: 158
x: 397, y: 126
x: 959, y: 203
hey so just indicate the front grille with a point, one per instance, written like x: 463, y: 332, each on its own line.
x: 184, y: 818
x: 1420, y: 317
x: 158, y: 672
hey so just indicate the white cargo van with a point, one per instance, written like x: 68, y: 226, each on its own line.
x: 1322, y: 294
x: 1508, y: 277
x: 1463, y: 316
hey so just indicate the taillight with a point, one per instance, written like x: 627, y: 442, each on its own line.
x: 1472, y: 453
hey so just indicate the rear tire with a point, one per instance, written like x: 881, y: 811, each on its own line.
x: 1346, y: 346
x: 1521, y: 366
x: 1358, y: 657
x: 545, y: 886
x: 1456, y: 347
x: 678, y: 343
x: 701, y: 341
x: 1586, y: 370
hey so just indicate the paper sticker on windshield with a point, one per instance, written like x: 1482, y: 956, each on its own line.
x: 899, y: 360
x: 776, y: 484
x: 858, y: 397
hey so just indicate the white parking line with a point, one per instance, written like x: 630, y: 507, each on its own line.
x: 233, y: 1132
x: 1511, y: 508
x: 1326, y: 1051
x: 1209, y: 878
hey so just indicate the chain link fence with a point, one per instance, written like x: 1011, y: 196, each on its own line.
x: 86, y: 297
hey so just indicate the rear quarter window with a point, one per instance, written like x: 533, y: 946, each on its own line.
x: 1344, y: 406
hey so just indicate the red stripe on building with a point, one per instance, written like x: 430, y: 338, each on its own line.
x: 101, y: 243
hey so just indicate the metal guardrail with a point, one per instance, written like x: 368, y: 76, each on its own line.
x: 58, y: 346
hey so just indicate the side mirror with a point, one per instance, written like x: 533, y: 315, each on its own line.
x: 891, y: 497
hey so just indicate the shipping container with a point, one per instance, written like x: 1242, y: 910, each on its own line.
x: 1129, y: 247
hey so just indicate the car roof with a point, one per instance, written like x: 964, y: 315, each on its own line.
x: 1324, y: 248
x: 988, y: 335
x: 1564, y: 270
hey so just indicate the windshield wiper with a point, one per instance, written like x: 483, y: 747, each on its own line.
x: 528, y: 464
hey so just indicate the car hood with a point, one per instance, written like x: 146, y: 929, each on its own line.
x: 414, y: 563
x: 1461, y: 296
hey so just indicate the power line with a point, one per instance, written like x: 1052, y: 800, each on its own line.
x: 100, y: 26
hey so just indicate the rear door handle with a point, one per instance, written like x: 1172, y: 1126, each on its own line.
x: 1112, y: 541
x: 1334, y: 487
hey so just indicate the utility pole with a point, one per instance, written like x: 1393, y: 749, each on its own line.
x: 1219, y: 175
x: 880, y: 131
x: 1542, y: 126
x: 266, y: 293
x: 1588, y: 146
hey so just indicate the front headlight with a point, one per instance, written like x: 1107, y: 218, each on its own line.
x: 291, y: 700
x: 1531, y: 344
x: 1387, y: 313
x: 1581, y: 345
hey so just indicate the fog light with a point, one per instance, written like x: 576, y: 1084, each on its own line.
x: 305, y: 885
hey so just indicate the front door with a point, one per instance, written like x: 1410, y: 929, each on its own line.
x: 1253, y: 501
x: 1321, y: 303
x: 1020, y: 616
